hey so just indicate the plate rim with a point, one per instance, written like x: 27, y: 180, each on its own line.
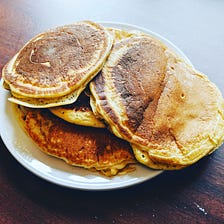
x: 167, y: 42
x: 81, y: 185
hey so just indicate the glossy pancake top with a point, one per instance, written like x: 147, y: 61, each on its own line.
x: 59, y: 61
x: 161, y: 105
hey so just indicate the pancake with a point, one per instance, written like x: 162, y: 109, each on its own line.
x: 170, y: 113
x: 90, y: 148
x: 79, y: 113
x: 55, y: 66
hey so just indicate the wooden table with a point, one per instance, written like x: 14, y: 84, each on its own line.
x: 191, y: 195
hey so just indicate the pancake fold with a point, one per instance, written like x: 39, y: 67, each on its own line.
x: 170, y: 113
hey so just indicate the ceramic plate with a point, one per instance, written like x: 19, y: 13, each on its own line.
x: 56, y: 170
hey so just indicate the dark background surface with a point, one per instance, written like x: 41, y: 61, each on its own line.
x: 192, y: 195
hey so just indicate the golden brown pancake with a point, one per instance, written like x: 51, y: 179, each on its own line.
x: 55, y: 66
x: 170, y: 113
x: 79, y: 112
x: 91, y: 148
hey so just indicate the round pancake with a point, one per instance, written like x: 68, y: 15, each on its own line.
x: 90, y: 148
x: 79, y: 113
x: 58, y: 62
x: 170, y: 113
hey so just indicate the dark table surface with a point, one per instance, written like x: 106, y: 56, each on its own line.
x: 192, y: 195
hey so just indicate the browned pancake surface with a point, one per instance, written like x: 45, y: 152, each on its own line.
x: 58, y: 61
x: 164, y: 107
x: 77, y: 145
x: 137, y: 80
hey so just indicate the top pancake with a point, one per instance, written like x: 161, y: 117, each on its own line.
x: 172, y: 114
x: 58, y: 62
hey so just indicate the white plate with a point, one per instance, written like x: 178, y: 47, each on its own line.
x: 56, y: 170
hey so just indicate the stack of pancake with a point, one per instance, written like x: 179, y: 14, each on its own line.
x: 103, y: 99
